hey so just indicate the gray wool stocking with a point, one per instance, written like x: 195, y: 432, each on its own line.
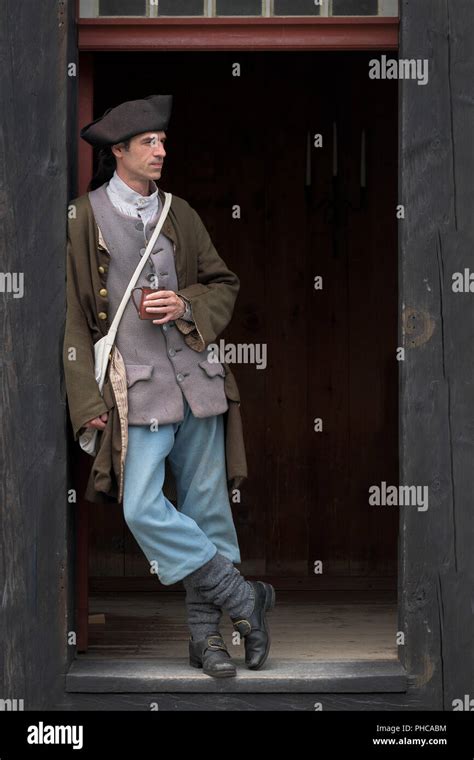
x: 218, y: 581
x: 203, y: 617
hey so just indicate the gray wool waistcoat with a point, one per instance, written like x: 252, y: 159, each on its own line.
x: 160, y: 366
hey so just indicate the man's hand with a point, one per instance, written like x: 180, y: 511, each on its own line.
x: 166, y: 304
x: 98, y: 422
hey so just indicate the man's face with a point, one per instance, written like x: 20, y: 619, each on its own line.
x: 144, y: 158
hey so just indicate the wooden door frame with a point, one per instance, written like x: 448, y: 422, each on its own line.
x: 184, y: 35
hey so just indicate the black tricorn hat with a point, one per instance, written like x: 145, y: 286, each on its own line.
x: 131, y: 118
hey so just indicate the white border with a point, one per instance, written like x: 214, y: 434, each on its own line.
x: 88, y: 8
x: 388, y: 8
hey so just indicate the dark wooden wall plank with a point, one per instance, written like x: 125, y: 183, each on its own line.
x: 287, y: 278
x: 352, y: 379
x: 437, y: 405
x: 371, y: 241
x: 242, y: 243
x: 34, y: 94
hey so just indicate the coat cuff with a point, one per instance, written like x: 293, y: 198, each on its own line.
x: 80, y: 420
x: 188, y: 327
x: 188, y: 314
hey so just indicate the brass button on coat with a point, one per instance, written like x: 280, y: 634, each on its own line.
x: 101, y: 270
x: 102, y: 315
x: 103, y: 292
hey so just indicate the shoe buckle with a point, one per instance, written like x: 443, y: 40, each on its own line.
x: 216, y: 642
x: 242, y: 626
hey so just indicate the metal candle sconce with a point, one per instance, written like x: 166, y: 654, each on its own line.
x: 337, y: 206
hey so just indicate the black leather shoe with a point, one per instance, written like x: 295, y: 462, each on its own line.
x: 254, y: 628
x: 212, y: 656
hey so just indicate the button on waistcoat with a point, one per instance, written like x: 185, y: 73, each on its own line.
x: 160, y: 366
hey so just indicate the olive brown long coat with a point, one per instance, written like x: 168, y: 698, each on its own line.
x: 203, y: 279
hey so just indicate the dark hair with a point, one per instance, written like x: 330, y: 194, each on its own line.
x: 105, y: 165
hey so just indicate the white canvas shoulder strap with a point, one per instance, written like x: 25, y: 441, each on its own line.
x: 118, y: 315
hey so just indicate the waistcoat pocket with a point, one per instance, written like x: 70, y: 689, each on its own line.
x: 136, y: 372
x: 212, y: 369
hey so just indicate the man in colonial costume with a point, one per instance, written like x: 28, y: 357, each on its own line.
x: 176, y: 414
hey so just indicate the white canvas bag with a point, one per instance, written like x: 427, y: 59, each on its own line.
x: 103, y: 347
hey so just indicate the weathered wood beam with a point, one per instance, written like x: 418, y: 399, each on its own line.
x: 34, y: 92
x: 436, y: 377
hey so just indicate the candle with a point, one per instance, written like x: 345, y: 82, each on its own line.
x: 308, y: 160
x: 363, y: 167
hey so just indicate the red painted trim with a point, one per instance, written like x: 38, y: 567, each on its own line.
x: 85, y: 115
x: 367, y: 33
x: 82, y: 469
x: 83, y: 464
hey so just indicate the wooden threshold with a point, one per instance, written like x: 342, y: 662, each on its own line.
x: 175, y: 675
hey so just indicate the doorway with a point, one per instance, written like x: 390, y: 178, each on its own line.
x: 291, y: 161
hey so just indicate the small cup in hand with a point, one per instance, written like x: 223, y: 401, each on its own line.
x: 141, y: 309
